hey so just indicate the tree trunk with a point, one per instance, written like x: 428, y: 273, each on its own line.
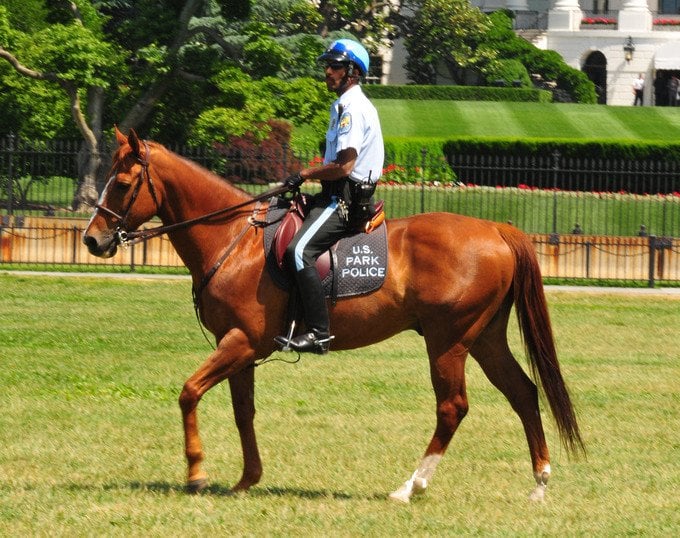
x: 89, y: 159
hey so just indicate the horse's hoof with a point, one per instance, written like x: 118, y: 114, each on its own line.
x: 197, y: 485
x: 538, y: 495
x: 401, y: 496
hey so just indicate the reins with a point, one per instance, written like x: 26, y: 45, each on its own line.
x: 143, y: 235
x: 127, y: 239
x: 137, y: 236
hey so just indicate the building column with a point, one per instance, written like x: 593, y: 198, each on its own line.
x: 566, y: 15
x: 635, y: 16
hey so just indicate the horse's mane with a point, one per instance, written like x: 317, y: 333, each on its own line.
x: 192, y: 165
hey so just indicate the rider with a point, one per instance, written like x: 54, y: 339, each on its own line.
x: 352, y: 165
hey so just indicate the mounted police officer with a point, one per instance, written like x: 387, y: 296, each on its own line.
x: 352, y: 165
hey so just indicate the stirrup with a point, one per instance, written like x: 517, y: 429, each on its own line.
x: 307, y: 343
x: 284, y: 341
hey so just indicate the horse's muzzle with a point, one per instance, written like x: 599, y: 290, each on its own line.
x: 102, y: 246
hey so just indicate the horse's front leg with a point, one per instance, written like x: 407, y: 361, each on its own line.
x: 232, y: 356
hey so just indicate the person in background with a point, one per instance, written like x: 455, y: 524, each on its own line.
x: 638, y: 89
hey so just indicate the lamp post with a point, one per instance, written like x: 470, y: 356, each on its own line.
x: 628, y: 49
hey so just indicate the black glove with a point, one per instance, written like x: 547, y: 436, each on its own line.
x: 293, y: 181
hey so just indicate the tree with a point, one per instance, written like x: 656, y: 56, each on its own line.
x: 75, y: 56
x: 156, y: 66
x: 72, y: 57
x: 446, y: 35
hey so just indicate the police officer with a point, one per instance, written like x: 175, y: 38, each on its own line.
x: 353, y: 162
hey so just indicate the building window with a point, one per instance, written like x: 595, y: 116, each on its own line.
x: 600, y: 7
x: 670, y: 7
x: 375, y: 70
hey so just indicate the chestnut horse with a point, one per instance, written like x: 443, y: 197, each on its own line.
x: 451, y: 278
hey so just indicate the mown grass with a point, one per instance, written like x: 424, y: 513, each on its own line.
x: 92, y: 444
x: 403, y: 118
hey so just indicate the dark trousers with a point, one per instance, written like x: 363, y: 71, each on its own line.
x: 638, y: 98
x: 323, y: 226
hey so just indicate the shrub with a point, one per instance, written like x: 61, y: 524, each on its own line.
x: 457, y: 93
x: 508, y: 71
x: 248, y: 160
x: 546, y: 63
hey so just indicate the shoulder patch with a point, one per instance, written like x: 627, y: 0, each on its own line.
x: 345, y: 123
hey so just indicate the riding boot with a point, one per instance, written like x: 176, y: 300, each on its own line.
x: 317, y: 337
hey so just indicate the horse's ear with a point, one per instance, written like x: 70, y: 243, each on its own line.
x: 133, y: 140
x: 120, y: 137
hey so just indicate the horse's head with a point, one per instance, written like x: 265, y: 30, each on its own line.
x: 128, y: 200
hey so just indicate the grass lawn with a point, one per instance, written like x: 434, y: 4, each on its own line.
x: 92, y: 443
x: 404, y: 118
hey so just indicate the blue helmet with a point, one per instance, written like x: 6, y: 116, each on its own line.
x: 347, y: 50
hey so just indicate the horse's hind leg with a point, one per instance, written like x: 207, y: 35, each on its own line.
x: 498, y: 363
x: 447, y: 370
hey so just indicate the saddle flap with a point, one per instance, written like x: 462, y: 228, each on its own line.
x: 289, y: 226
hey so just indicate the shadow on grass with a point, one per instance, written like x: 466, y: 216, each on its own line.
x: 166, y: 488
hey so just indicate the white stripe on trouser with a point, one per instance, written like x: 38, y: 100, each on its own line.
x: 302, y: 243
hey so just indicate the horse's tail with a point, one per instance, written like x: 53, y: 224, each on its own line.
x: 536, y: 331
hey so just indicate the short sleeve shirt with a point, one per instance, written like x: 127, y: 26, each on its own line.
x: 354, y: 123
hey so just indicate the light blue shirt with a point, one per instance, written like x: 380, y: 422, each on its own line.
x: 354, y: 123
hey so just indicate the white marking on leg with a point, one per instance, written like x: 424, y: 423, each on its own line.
x: 538, y: 494
x: 419, y: 479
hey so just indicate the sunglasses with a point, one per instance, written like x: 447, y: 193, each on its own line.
x: 336, y: 66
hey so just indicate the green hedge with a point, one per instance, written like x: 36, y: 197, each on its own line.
x: 456, y: 93
x: 576, y: 148
x: 609, y: 166
x: 413, y: 146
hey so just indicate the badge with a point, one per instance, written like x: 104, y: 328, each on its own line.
x: 345, y: 123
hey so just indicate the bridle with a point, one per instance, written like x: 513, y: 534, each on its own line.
x: 126, y: 238
x: 122, y: 236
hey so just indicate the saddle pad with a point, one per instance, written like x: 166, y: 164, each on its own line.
x: 359, y: 262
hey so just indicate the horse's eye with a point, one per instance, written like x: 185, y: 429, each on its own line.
x: 122, y: 186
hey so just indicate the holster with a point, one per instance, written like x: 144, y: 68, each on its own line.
x: 361, y: 208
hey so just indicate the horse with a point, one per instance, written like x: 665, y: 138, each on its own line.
x: 453, y: 279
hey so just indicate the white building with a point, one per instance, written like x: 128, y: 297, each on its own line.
x: 631, y: 38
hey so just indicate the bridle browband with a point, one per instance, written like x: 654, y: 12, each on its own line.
x: 126, y: 238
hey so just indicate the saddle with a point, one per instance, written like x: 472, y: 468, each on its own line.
x: 354, y: 265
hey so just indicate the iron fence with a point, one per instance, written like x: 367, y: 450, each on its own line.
x: 547, y: 194
x: 567, y: 201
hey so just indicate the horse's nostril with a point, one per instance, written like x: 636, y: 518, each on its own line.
x: 90, y: 242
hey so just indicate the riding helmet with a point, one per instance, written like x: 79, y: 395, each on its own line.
x: 347, y: 50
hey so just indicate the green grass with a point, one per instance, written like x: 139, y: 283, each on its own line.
x: 92, y: 444
x: 402, y: 118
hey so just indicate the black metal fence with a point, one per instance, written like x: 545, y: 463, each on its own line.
x: 552, y: 196
x: 548, y: 194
